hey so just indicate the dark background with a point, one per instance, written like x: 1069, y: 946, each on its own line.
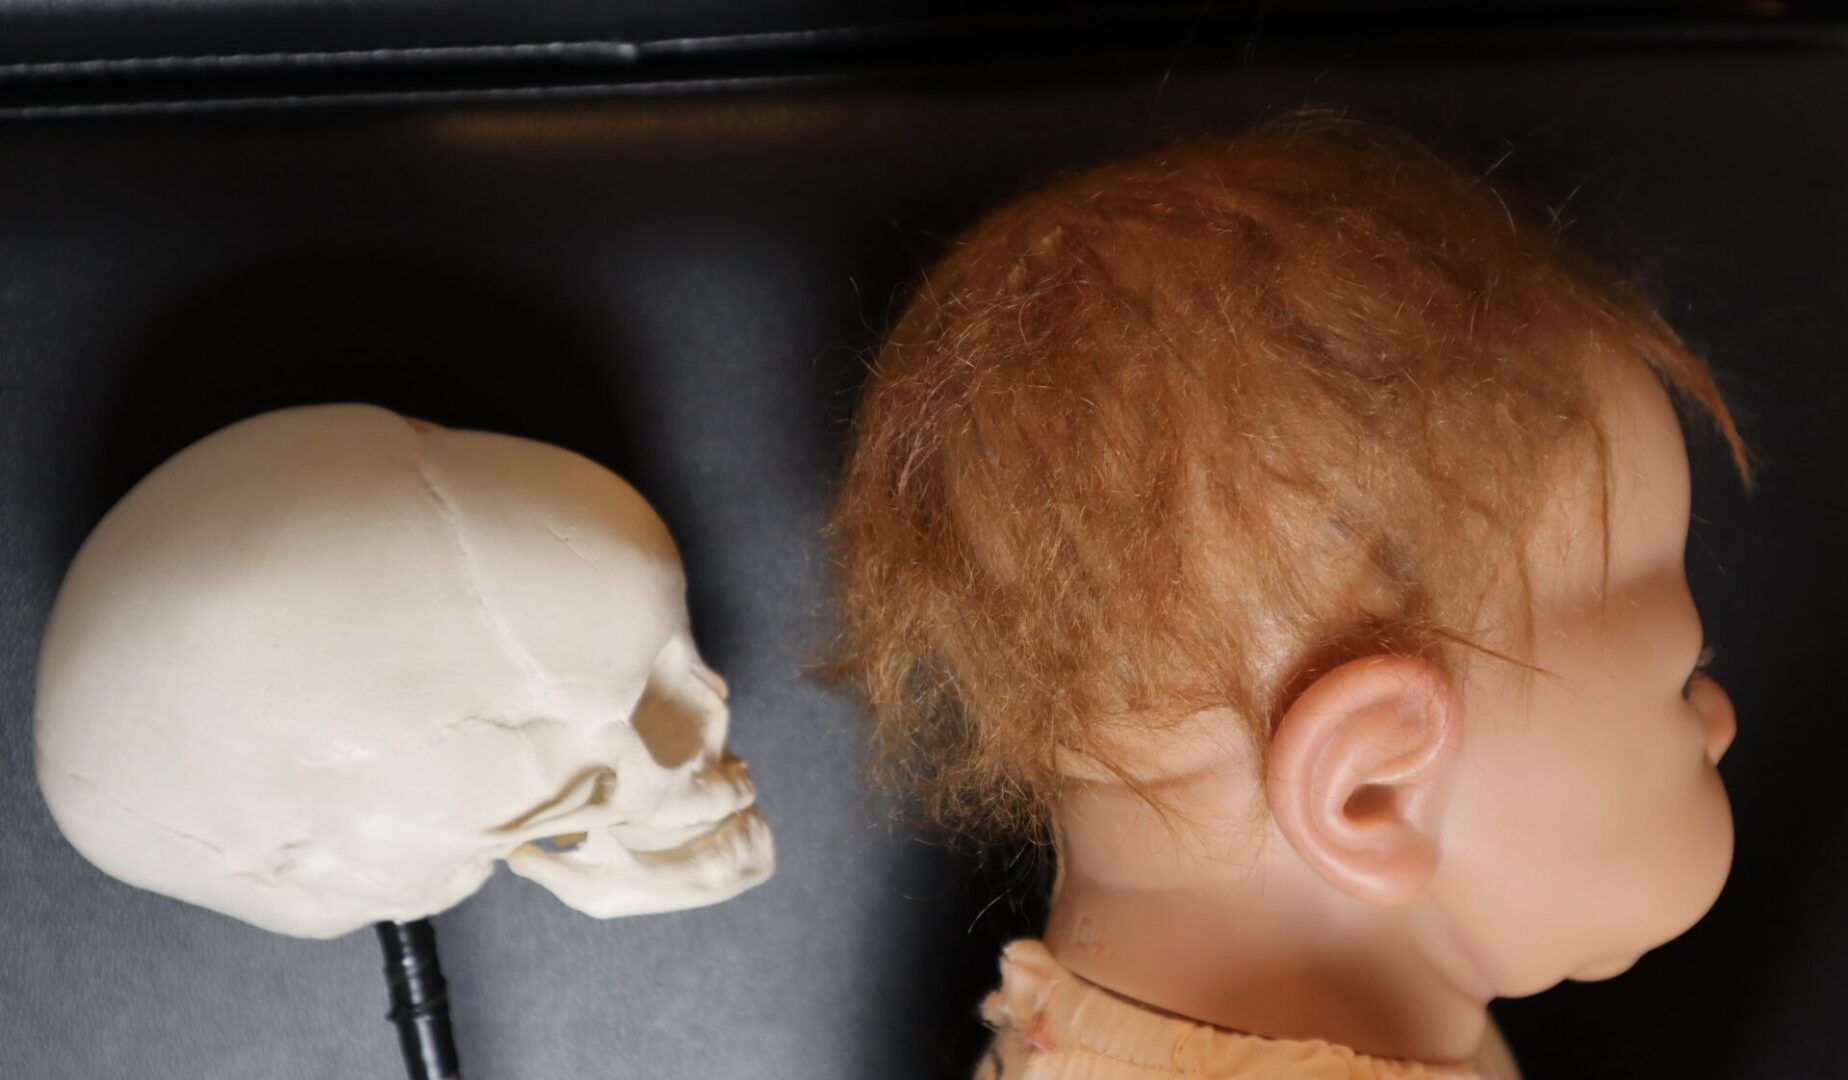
x: 670, y: 244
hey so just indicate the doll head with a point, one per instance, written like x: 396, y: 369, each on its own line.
x: 1171, y: 462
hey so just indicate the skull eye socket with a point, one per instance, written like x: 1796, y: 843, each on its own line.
x: 672, y: 728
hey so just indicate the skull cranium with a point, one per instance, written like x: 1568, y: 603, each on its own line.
x: 328, y: 666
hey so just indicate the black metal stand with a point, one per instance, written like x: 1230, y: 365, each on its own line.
x: 419, y: 1000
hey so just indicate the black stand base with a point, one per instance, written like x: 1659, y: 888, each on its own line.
x: 419, y: 1000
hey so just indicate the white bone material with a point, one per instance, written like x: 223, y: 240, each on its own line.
x: 328, y: 666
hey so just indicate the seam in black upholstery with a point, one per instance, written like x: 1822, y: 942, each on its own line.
x: 601, y: 49
x: 398, y: 97
x: 578, y: 49
x: 623, y: 51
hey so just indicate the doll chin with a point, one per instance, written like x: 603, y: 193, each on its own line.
x: 1600, y: 970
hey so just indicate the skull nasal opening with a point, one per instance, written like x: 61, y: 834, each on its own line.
x: 672, y: 728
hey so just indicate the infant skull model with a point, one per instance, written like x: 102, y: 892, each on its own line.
x: 327, y: 666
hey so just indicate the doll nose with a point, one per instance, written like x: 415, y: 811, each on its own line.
x: 1717, y: 718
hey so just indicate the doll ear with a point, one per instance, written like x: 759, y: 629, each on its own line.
x: 1358, y: 774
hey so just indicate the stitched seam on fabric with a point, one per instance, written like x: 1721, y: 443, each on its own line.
x: 577, y: 91
x: 579, y: 48
x: 606, y: 48
x: 599, y: 48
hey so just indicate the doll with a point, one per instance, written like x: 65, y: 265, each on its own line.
x: 1292, y: 536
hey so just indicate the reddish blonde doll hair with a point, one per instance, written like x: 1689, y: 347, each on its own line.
x: 1178, y: 433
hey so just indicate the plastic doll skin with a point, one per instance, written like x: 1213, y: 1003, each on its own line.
x: 1414, y: 847
x: 1291, y: 535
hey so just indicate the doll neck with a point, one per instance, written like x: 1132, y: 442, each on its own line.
x: 1274, y: 952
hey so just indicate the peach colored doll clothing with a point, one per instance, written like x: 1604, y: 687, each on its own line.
x: 1052, y: 1025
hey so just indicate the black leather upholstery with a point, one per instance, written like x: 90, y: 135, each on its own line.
x: 73, y: 31
x: 683, y: 286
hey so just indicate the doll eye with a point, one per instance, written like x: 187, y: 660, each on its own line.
x: 1707, y: 653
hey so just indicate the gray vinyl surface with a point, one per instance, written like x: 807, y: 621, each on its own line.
x: 684, y: 288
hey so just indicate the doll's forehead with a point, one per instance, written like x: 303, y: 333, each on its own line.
x: 1643, y: 473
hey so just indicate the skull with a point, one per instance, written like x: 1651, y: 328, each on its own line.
x: 328, y: 666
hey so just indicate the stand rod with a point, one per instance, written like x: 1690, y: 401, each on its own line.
x: 419, y: 1000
